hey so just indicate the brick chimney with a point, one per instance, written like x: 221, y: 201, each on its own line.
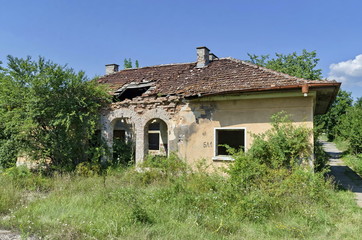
x: 111, y: 68
x: 202, y: 57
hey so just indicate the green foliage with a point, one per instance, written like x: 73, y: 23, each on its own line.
x: 284, y: 145
x: 350, y: 128
x: 354, y: 161
x: 127, y: 63
x: 329, y: 121
x: 278, y: 204
x: 245, y: 169
x: 88, y: 169
x: 123, y: 153
x: 321, y: 158
x: 358, y: 103
x: 47, y: 111
x: 172, y: 164
x: 302, y: 66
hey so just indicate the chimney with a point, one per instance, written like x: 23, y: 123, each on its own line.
x: 212, y: 57
x: 111, y: 68
x: 202, y: 57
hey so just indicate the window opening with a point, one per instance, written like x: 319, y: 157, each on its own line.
x: 234, y: 138
x: 154, y: 141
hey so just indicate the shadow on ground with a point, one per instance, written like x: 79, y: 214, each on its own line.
x: 343, y: 175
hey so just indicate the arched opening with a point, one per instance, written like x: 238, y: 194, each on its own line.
x: 123, y: 147
x: 156, y: 137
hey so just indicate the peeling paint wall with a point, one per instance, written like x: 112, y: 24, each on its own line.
x: 191, y: 124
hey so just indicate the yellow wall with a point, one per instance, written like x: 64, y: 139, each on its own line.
x: 196, y: 121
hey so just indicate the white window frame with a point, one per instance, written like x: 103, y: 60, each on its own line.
x: 226, y: 157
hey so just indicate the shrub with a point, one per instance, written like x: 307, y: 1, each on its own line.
x: 123, y: 153
x: 88, y: 169
x: 350, y: 127
x: 169, y: 166
x: 284, y: 145
x: 320, y: 156
x: 22, y: 178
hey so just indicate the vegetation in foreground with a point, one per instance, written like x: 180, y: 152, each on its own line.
x: 265, y: 195
x: 172, y: 202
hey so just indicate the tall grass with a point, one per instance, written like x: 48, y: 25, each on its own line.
x: 280, y: 204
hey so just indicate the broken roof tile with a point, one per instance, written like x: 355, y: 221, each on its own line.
x: 224, y: 75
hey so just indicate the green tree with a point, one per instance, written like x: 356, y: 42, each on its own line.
x: 127, y: 63
x: 329, y: 121
x: 47, y: 111
x: 358, y: 103
x: 350, y: 128
x: 302, y: 66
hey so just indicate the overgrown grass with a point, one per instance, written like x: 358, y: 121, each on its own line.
x: 341, y: 144
x: 264, y: 194
x: 281, y: 204
x: 355, y: 162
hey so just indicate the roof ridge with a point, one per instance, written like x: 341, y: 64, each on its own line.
x: 159, y: 65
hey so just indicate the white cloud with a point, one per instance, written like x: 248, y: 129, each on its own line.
x: 348, y: 72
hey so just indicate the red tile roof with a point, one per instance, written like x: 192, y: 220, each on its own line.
x: 221, y: 76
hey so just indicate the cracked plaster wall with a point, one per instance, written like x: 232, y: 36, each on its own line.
x: 191, y: 124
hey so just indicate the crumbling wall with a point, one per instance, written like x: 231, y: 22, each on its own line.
x: 139, y: 111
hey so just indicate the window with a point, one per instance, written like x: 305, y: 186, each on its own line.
x: 153, y: 141
x: 233, y: 137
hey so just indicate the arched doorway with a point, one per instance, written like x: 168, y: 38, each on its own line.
x: 156, y: 137
x: 123, y: 146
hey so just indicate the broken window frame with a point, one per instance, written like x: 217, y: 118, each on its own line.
x: 216, y: 142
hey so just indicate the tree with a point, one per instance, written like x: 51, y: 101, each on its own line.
x: 350, y: 128
x: 329, y: 121
x: 358, y: 103
x: 127, y: 63
x: 302, y: 66
x: 48, y: 111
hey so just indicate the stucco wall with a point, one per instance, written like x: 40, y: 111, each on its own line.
x: 191, y: 124
x: 201, y: 118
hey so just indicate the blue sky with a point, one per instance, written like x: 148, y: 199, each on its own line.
x: 86, y: 35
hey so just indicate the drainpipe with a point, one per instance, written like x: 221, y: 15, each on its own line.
x: 305, y: 89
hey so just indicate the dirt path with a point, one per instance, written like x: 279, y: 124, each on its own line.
x: 7, y: 235
x: 343, y: 175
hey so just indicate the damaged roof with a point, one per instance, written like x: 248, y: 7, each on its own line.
x: 224, y: 75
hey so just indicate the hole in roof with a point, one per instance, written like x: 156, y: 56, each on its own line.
x: 132, y: 90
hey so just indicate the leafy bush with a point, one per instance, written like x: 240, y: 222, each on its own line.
x: 22, y: 178
x: 58, y: 116
x: 284, y: 145
x: 170, y: 166
x: 320, y: 156
x: 88, y: 169
x: 350, y: 127
x: 123, y: 153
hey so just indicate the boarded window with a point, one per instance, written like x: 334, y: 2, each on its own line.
x: 153, y: 141
x: 234, y: 138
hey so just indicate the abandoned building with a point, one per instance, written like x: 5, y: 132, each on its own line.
x: 193, y: 108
